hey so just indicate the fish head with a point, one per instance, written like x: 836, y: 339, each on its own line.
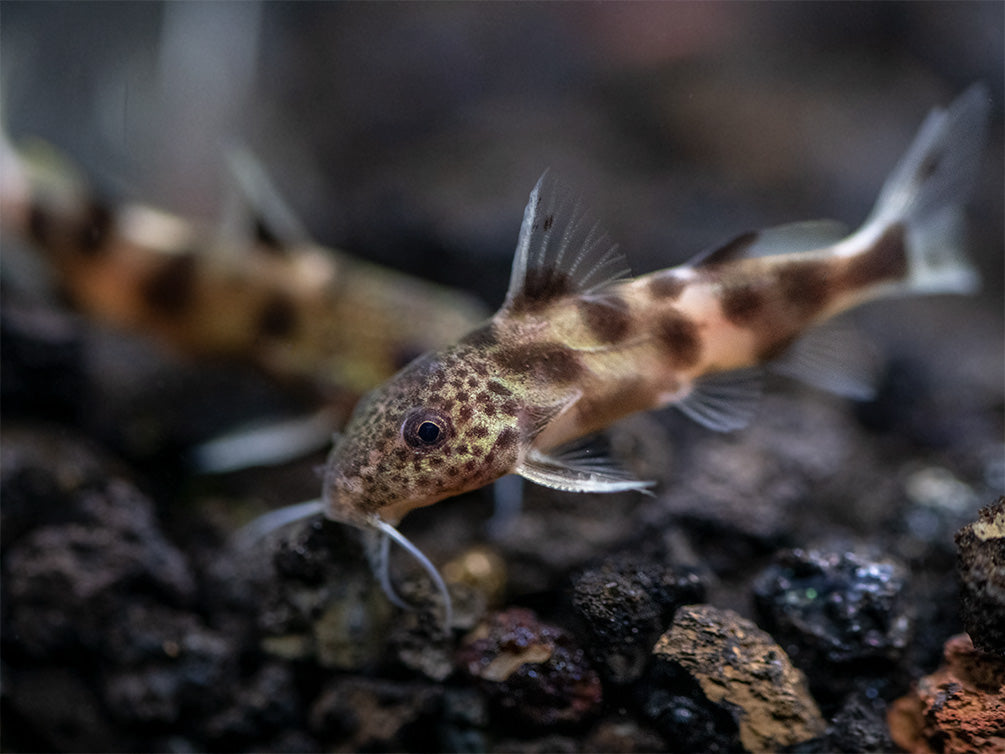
x: 442, y: 426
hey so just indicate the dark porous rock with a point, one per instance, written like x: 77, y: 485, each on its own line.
x: 715, y: 673
x: 958, y: 709
x: 533, y: 672
x: 323, y: 603
x: 366, y: 714
x: 981, y: 565
x: 684, y: 716
x: 625, y: 603
x: 266, y: 705
x: 86, y: 546
x: 166, y: 665
x: 55, y: 709
x: 858, y: 726
x: 623, y: 736
x: 835, y: 610
x: 551, y: 744
x: 418, y: 638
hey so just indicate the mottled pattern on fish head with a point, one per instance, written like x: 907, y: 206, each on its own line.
x: 443, y: 425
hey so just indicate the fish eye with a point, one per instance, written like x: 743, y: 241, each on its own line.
x: 426, y: 428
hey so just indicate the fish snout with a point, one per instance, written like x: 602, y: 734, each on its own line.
x: 342, y: 495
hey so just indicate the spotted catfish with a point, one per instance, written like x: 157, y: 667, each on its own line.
x: 576, y: 345
x: 270, y: 296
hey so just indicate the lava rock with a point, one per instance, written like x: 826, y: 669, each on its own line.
x: 959, y: 708
x: 626, y: 603
x: 267, y: 704
x: 835, y: 609
x: 725, y: 668
x: 85, y: 546
x: 532, y: 671
x: 322, y: 603
x: 981, y: 565
x: 859, y: 725
x: 164, y: 665
x: 364, y: 714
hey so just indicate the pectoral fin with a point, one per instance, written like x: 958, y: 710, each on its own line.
x: 578, y: 469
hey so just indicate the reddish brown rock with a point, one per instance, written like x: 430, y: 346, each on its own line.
x: 960, y: 708
x: 534, y: 672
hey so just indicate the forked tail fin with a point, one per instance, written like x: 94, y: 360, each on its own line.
x: 922, y: 202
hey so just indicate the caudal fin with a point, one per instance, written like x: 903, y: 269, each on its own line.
x: 926, y: 193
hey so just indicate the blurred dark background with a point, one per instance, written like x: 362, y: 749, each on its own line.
x: 411, y: 133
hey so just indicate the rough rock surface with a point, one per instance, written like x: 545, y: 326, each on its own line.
x: 960, y: 708
x: 981, y: 565
x: 533, y: 671
x: 742, y: 673
x: 835, y: 610
x: 625, y: 603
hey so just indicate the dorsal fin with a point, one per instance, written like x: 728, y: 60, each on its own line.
x: 783, y: 239
x: 561, y: 251
x: 255, y: 209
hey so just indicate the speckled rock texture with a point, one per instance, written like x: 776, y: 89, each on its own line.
x: 742, y: 674
x: 957, y: 709
x: 625, y: 604
x: 981, y: 565
x: 533, y: 671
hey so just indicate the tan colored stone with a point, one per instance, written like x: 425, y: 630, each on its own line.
x: 735, y: 662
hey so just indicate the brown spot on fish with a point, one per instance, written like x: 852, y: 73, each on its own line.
x: 886, y: 260
x: 171, y: 288
x: 479, y: 430
x: 506, y: 440
x: 541, y: 286
x: 278, y: 318
x: 806, y: 284
x: 730, y: 251
x: 95, y: 229
x: 499, y: 389
x: 549, y: 361
x: 606, y: 317
x: 742, y: 303
x: 929, y: 165
x: 679, y: 335
x: 666, y: 285
x: 464, y: 412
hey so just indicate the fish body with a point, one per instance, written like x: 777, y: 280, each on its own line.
x: 577, y: 345
x: 268, y: 295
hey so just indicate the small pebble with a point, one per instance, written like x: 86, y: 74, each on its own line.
x: 533, y: 672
